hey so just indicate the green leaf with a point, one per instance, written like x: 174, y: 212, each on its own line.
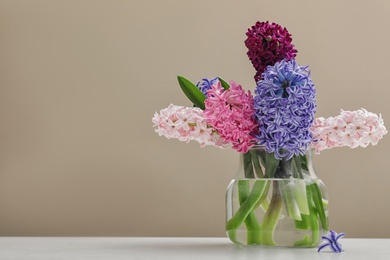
x: 192, y: 92
x: 224, y: 84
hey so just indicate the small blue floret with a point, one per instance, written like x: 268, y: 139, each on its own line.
x: 205, y: 84
x: 331, y: 240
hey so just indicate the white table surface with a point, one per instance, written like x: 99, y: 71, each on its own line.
x: 112, y: 248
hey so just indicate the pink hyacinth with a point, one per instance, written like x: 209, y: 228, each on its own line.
x: 350, y: 128
x: 185, y: 124
x: 231, y: 113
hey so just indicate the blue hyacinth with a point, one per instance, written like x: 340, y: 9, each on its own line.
x: 205, y: 84
x: 285, y: 104
x: 331, y: 240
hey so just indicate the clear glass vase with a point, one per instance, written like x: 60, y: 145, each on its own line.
x: 274, y: 202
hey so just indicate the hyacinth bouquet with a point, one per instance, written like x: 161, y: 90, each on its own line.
x: 275, y: 131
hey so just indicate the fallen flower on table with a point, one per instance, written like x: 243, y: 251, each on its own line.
x: 331, y: 240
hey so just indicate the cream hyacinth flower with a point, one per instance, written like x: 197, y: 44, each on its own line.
x: 350, y: 128
x: 185, y: 124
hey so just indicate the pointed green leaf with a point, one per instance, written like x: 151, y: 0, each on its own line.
x: 192, y: 92
x: 224, y: 84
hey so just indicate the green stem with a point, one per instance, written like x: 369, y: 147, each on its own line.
x: 317, y: 199
x: 289, y: 199
x: 311, y: 221
x: 272, y: 165
x: 247, y: 206
x: 263, y: 201
x: 248, y: 168
x: 258, y: 158
x: 297, y: 166
x: 253, y: 230
x: 251, y: 223
x: 304, y: 162
x: 256, y: 164
x: 304, y: 223
x: 262, y: 157
x: 271, y: 217
x: 315, y: 227
x: 314, y: 223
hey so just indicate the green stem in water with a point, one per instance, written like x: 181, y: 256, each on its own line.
x: 271, y: 217
x: 317, y: 215
x: 253, y: 230
x: 304, y: 223
x: 289, y: 200
x: 251, y: 223
x: 258, y: 158
x: 247, y: 206
x: 263, y: 201
x: 311, y: 221
x: 317, y: 199
x: 314, y: 224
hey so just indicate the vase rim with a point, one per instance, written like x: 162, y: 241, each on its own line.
x: 260, y: 146
x: 263, y: 147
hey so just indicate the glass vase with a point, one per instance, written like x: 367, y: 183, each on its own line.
x: 275, y: 202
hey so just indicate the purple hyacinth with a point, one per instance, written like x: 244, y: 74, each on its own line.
x: 285, y: 104
x: 205, y: 84
x: 331, y: 240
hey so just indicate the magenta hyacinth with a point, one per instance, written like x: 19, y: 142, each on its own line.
x: 267, y: 44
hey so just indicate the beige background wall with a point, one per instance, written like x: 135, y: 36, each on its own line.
x: 80, y: 81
